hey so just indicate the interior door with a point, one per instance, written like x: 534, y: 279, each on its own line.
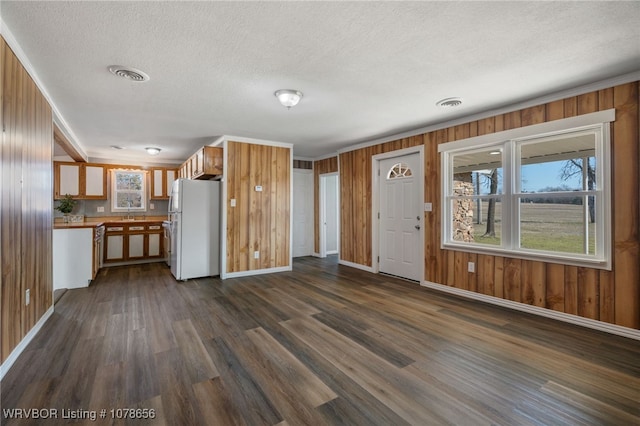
x: 302, y: 213
x: 329, y: 214
x: 401, y: 217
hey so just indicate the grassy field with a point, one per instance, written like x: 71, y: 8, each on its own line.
x: 554, y: 227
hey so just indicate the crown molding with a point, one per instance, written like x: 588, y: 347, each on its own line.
x: 325, y: 156
x: 541, y: 100
x: 230, y: 138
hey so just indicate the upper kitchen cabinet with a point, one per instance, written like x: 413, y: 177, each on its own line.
x: 204, y: 164
x: 161, y: 181
x: 80, y: 180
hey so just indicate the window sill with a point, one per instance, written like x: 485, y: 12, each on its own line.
x: 562, y: 259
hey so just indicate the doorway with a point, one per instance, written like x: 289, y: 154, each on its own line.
x: 302, y: 235
x: 329, y: 214
x: 400, y: 217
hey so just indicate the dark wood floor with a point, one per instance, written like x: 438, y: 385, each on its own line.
x: 324, y: 344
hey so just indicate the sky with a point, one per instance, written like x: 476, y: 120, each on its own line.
x: 538, y: 176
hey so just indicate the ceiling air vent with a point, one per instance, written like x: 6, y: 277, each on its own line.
x: 128, y: 73
x: 449, y: 102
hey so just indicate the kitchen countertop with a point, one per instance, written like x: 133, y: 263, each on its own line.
x: 75, y: 225
x: 94, y: 222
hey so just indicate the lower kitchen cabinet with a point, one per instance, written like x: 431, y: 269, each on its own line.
x: 136, y: 242
x: 155, y: 241
x: 136, y: 246
x: 114, y: 244
x: 133, y: 242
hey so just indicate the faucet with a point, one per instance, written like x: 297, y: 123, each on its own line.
x: 129, y: 210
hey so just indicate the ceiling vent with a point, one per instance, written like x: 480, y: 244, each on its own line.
x: 128, y: 73
x: 449, y: 102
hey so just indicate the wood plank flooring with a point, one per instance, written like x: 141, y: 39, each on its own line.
x: 322, y: 345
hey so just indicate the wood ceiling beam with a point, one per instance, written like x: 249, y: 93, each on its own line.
x: 64, y: 143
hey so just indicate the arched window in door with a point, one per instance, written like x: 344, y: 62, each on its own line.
x: 399, y: 170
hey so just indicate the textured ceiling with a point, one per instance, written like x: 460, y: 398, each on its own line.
x: 367, y: 69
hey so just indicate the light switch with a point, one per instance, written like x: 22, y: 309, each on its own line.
x: 101, y: 209
x: 258, y: 188
x: 233, y: 202
x: 428, y: 207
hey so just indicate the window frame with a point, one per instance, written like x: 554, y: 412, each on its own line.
x: 114, y: 191
x: 510, y: 142
x: 404, y: 168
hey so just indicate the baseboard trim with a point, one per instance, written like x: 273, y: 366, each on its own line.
x: 329, y: 253
x: 355, y: 265
x: 6, y: 365
x: 256, y: 272
x: 536, y: 310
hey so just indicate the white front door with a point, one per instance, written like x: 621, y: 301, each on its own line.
x: 401, y: 216
x: 302, y: 213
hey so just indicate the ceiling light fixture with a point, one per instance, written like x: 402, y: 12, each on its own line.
x: 153, y: 151
x: 117, y: 147
x: 288, y: 97
x: 128, y: 73
x: 449, y: 102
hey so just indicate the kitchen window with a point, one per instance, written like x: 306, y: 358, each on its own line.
x: 540, y: 192
x: 128, y: 190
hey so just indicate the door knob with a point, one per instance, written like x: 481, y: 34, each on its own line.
x: 417, y: 226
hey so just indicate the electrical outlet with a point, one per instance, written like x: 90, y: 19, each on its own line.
x: 258, y: 188
x: 152, y: 206
x: 27, y: 297
x: 471, y: 267
x: 101, y: 209
x: 256, y: 255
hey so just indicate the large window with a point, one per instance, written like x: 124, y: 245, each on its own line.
x: 128, y: 191
x: 540, y: 192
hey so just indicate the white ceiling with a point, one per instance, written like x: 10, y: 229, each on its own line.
x: 367, y: 69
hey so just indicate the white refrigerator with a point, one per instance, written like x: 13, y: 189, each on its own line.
x: 194, y: 212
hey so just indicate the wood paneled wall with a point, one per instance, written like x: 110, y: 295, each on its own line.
x: 327, y: 165
x: 355, y: 198
x: 26, y: 214
x: 609, y: 296
x: 260, y: 221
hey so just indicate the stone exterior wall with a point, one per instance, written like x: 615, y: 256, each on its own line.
x: 463, y: 211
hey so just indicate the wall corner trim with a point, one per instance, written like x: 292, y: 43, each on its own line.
x: 6, y: 365
x: 536, y: 310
